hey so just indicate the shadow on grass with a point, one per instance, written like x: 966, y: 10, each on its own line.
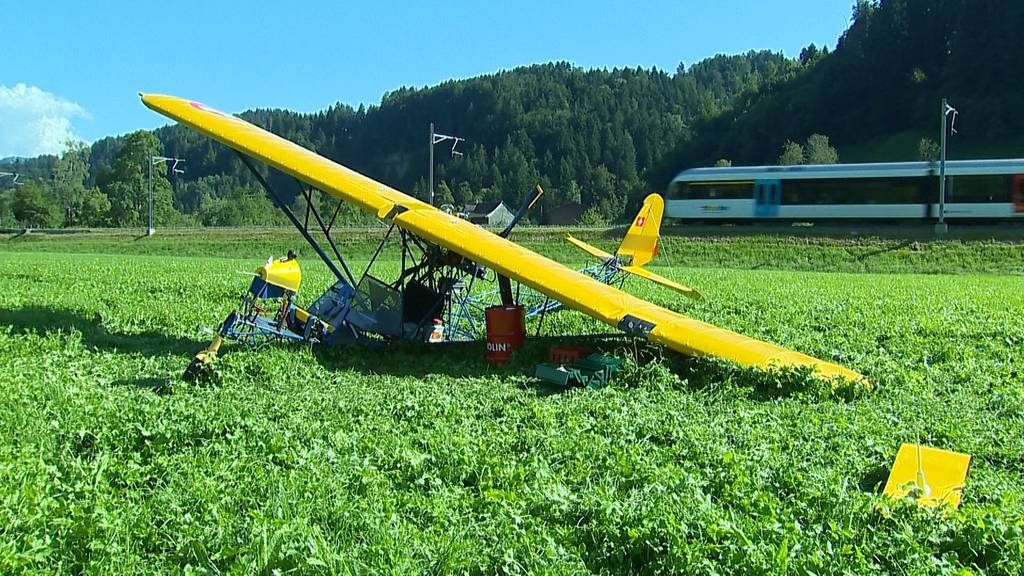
x: 464, y: 360
x: 159, y: 386
x: 712, y: 375
x: 420, y: 360
x: 873, y: 481
x: 43, y: 320
x: 458, y: 360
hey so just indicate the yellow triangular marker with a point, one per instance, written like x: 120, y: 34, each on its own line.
x: 935, y: 477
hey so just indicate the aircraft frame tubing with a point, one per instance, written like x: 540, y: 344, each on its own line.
x: 307, y: 193
x: 462, y: 314
x: 303, y: 229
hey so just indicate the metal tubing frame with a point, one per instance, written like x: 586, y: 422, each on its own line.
x: 307, y: 193
x: 295, y: 221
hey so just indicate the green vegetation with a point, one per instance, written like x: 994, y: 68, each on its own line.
x: 293, y: 460
x: 587, y: 136
x: 600, y: 138
x: 816, y: 150
x: 903, y: 249
x: 878, y: 93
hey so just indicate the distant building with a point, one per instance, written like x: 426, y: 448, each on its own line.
x: 493, y: 213
x: 566, y: 215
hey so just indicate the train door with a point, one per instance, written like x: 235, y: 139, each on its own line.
x: 1018, y: 193
x: 767, y: 197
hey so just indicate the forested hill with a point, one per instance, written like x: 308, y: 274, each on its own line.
x: 586, y: 136
x: 600, y: 138
x: 879, y: 92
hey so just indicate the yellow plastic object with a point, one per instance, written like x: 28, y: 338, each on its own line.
x: 641, y: 241
x: 571, y: 288
x: 283, y: 273
x: 934, y: 476
x: 203, y: 360
x: 303, y: 316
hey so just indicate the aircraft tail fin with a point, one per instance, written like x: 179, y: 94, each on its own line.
x: 641, y: 242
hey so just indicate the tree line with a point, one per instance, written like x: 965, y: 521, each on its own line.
x: 586, y: 136
x: 881, y: 89
x: 601, y: 139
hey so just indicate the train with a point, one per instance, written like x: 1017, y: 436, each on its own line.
x: 983, y: 190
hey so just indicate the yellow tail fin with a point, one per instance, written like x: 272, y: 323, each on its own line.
x: 641, y: 241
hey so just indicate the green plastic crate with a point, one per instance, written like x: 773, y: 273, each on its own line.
x: 594, y: 371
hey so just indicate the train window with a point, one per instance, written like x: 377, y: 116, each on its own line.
x: 978, y: 189
x: 714, y: 190
x: 854, y: 191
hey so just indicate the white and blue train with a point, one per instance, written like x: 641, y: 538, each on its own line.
x: 975, y: 189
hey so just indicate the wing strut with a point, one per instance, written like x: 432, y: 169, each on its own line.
x: 298, y: 226
x: 307, y: 193
x: 526, y: 205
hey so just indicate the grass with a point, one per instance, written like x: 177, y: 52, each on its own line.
x: 292, y: 460
x: 874, y: 248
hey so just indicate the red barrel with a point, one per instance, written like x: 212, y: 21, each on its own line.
x: 506, y: 330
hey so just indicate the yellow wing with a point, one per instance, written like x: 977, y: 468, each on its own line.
x: 636, y: 270
x: 645, y: 273
x: 588, y: 248
x: 573, y: 289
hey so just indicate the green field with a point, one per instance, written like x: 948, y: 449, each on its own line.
x: 292, y: 460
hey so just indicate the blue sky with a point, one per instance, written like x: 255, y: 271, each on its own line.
x: 73, y: 68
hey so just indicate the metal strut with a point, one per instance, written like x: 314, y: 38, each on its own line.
x: 295, y: 221
x: 308, y: 195
x: 505, y: 287
x: 291, y: 216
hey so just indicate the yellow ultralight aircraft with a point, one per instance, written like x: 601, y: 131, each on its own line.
x: 440, y: 252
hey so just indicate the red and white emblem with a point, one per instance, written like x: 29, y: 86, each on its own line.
x: 205, y: 108
x: 640, y: 221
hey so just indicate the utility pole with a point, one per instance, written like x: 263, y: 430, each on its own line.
x: 174, y: 170
x: 941, y: 227
x: 437, y: 139
x: 430, y: 175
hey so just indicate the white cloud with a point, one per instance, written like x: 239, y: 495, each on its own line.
x: 34, y: 122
